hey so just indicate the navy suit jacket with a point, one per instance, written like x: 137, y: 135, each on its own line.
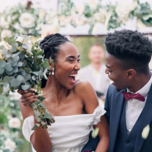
x: 113, y: 106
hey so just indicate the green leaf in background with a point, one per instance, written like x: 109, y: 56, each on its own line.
x: 15, y: 83
x: 25, y: 87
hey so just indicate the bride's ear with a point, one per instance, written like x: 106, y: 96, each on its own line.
x: 51, y: 63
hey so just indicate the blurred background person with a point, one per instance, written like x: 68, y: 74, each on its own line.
x: 95, y: 72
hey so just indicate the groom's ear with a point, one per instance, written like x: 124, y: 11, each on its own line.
x: 131, y: 73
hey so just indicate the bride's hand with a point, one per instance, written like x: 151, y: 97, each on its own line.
x: 27, y: 97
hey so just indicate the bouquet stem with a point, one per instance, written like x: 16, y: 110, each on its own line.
x: 41, y: 114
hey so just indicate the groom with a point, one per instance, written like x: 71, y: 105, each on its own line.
x: 129, y: 98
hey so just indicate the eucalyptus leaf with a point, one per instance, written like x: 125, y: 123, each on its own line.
x: 15, y: 83
x: 20, y: 64
x: 36, y: 73
x: 27, y: 77
x: 24, y: 46
x: 6, y: 79
x: 20, y: 78
x: 23, y: 72
x: 10, y: 59
x: 22, y: 55
x: 9, y: 72
x: 15, y: 69
x: 14, y: 63
x: 3, y: 64
x: 25, y: 87
x: 47, y: 116
x: 33, y: 78
x: 36, y: 126
x: 2, y: 71
x: 1, y: 89
x: 16, y: 57
x: 5, y: 87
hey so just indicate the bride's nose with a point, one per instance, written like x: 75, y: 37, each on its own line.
x: 77, y: 66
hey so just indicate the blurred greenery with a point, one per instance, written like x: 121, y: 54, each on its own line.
x: 84, y: 43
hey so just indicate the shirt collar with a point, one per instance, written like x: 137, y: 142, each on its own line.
x: 145, y: 89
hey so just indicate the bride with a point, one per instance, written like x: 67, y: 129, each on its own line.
x: 73, y: 104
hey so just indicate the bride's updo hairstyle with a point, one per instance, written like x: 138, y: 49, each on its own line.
x: 51, y: 46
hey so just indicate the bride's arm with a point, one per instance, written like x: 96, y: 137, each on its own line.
x: 90, y: 100
x: 40, y: 138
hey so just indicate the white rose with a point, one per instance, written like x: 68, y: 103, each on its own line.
x: 50, y: 16
x: 5, y: 33
x: 41, y: 14
x: 100, y: 16
x: 145, y: 132
x: 49, y: 29
x: 3, y: 22
x: 9, y: 144
x: 81, y: 20
x: 123, y: 9
x: 27, y: 20
x: 14, y: 123
x: 64, y: 20
x: 79, y: 9
x: 6, y: 47
x: 25, y: 41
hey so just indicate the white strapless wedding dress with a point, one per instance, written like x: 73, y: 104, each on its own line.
x: 68, y: 133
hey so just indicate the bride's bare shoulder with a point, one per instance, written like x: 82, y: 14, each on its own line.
x: 82, y: 86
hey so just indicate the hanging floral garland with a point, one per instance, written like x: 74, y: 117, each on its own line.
x: 26, y: 19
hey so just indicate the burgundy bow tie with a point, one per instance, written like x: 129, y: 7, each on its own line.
x: 129, y: 96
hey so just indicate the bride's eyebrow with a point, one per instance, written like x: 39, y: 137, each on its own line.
x: 72, y: 57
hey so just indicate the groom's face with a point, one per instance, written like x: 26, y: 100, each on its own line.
x: 116, y: 72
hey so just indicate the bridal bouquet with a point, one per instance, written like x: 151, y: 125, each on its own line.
x: 22, y: 66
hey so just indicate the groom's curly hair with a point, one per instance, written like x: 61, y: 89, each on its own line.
x: 51, y: 45
x: 132, y: 48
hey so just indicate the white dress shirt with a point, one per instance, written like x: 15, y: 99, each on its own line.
x: 134, y: 107
x: 98, y: 77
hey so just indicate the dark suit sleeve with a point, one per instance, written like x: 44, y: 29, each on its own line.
x: 107, y: 104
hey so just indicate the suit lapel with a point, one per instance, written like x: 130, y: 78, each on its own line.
x: 146, y: 118
x: 115, y: 116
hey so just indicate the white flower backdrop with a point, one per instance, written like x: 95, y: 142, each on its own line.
x: 74, y: 17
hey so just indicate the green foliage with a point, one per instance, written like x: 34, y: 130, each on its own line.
x: 23, y: 69
x: 144, y: 13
